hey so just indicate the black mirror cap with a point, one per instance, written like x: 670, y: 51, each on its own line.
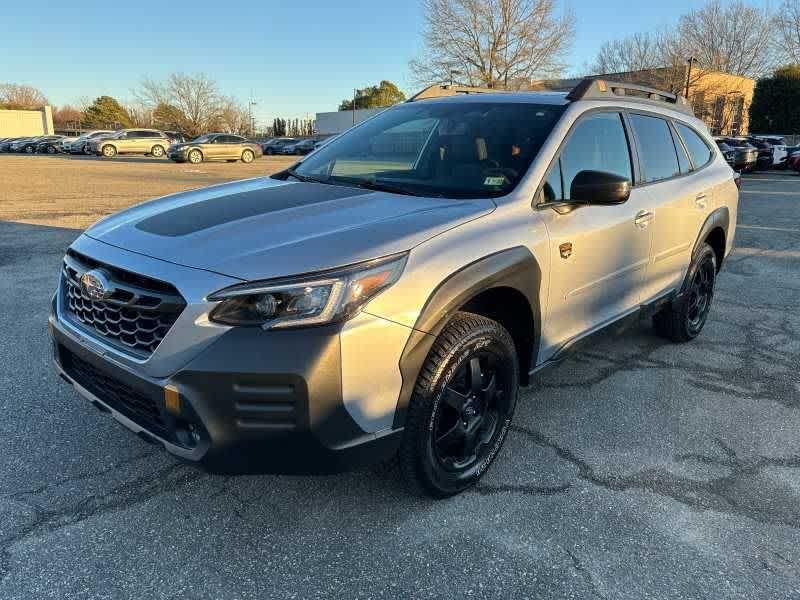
x: 599, y: 187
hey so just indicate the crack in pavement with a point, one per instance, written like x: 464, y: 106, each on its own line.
x: 123, y: 496
x: 725, y: 494
x: 585, y: 573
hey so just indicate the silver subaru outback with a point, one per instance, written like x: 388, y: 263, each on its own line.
x: 389, y: 294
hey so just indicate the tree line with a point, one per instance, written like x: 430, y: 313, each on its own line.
x: 190, y: 104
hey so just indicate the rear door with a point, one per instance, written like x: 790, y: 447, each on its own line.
x: 680, y: 197
x: 598, y: 254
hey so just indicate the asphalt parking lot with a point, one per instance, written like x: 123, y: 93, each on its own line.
x: 637, y: 469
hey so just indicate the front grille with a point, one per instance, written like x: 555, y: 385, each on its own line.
x: 138, y: 407
x: 134, y: 318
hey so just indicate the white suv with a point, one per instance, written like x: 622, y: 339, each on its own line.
x: 389, y: 293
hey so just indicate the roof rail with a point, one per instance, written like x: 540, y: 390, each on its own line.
x: 591, y: 88
x: 443, y: 90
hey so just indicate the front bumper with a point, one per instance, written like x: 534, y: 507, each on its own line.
x: 252, y: 401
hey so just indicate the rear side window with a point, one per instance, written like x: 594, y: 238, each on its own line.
x: 656, y: 149
x: 697, y: 148
x: 683, y: 158
x: 598, y: 143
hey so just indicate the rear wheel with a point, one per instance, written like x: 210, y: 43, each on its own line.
x: 29, y: 149
x: 51, y: 149
x: 109, y: 151
x: 461, y: 407
x: 157, y: 151
x: 195, y: 157
x: 683, y: 319
x: 269, y: 151
x: 248, y: 156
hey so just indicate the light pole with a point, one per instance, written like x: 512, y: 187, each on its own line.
x: 691, y: 61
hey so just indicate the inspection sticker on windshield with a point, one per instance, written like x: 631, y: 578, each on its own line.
x: 497, y: 180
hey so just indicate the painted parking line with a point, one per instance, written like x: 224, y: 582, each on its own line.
x: 795, y: 179
x: 769, y: 192
x: 785, y: 229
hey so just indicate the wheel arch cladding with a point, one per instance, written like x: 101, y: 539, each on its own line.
x: 503, y: 286
x: 715, y: 233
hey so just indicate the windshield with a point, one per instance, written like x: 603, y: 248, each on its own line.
x: 456, y: 150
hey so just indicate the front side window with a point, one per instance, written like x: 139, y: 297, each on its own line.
x: 598, y: 143
x: 697, y: 148
x: 656, y: 148
x: 439, y: 148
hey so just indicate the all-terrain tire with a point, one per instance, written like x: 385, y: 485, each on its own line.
x: 683, y: 319
x: 465, y: 337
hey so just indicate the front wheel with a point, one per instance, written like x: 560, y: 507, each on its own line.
x: 248, y: 156
x: 461, y: 408
x: 109, y: 151
x: 51, y: 150
x: 683, y: 319
x: 195, y: 157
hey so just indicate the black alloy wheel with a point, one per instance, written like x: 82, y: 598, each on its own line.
x: 474, y: 405
x: 700, y: 293
x: 461, y: 408
x: 682, y: 319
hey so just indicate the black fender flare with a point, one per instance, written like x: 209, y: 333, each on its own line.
x: 514, y: 268
x: 719, y: 217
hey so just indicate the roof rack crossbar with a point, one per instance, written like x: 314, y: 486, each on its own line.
x: 443, y: 90
x: 592, y: 88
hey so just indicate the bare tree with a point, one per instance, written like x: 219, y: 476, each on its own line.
x: 787, y: 21
x: 493, y: 43
x: 21, y: 97
x: 233, y: 117
x: 734, y: 38
x: 636, y: 52
x: 195, y: 96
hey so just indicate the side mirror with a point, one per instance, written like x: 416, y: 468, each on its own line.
x: 599, y: 187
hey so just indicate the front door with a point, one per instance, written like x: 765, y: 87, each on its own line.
x: 598, y: 254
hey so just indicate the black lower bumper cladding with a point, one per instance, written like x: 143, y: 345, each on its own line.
x: 253, y: 402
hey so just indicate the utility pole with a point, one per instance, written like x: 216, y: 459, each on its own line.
x: 355, y: 91
x: 691, y: 61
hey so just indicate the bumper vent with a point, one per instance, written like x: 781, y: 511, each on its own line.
x: 134, y: 318
x: 136, y: 406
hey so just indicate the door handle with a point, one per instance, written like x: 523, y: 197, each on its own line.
x: 643, y: 218
x: 700, y: 200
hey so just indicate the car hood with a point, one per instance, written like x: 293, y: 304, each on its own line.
x: 263, y: 228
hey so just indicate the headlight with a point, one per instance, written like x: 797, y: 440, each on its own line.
x: 303, y: 301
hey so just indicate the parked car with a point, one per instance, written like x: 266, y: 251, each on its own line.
x: 728, y: 153
x: 389, y: 294
x: 780, y: 153
x: 150, y: 142
x: 275, y: 145
x: 215, y: 146
x: 746, y: 154
x: 26, y: 145
x: 50, y: 144
x: 78, y: 145
x: 765, y: 159
x: 303, y: 146
x: 175, y: 137
x: 5, y: 145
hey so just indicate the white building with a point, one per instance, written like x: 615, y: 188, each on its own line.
x: 334, y: 123
x: 21, y: 123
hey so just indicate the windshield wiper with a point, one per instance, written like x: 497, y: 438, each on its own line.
x: 378, y: 186
x: 305, y: 178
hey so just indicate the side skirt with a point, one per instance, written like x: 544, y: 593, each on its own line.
x: 624, y: 321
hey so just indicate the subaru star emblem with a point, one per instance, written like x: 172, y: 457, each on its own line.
x: 95, y: 285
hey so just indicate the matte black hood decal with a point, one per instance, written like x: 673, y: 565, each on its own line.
x: 212, y: 212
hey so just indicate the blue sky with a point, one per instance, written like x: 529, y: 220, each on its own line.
x: 297, y: 57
